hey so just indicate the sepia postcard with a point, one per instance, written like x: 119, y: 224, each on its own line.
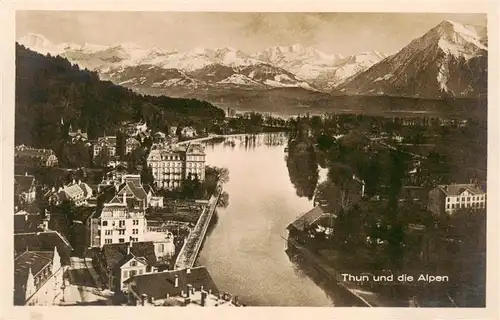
x: 210, y: 156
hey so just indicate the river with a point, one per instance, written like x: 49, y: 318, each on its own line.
x: 245, y: 251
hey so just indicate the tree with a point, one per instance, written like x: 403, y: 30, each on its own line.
x: 147, y: 177
x: 68, y: 209
x: 121, y: 141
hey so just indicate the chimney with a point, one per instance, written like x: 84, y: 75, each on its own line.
x: 143, y: 299
x: 188, y: 270
x: 45, y: 225
x: 189, y: 288
x: 74, y: 181
x: 125, y: 198
x: 235, y: 300
x: 53, y: 189
x: 176, y: 281
x: 203, y: 298
x: 129, y: 247
x: 26, y: 173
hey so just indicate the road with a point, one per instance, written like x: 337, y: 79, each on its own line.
x: 82, y: 286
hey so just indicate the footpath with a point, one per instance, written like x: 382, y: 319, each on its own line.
x: 189, y: 252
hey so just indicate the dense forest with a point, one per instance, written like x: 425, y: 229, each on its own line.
x: 52, y: 93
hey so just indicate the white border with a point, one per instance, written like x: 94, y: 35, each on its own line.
x: 7, y: 47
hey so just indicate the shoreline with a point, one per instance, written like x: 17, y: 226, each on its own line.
x: 369, y: 299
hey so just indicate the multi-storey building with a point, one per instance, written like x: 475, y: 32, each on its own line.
x: 195, y: 162
x: 119, y: 221
x: 450, y: 198
x: 173, y: 164
x: 32, y: 156
x: 78, y: 192
x: 105, y: 144
x: 38, y: 278
x: 120, y: 261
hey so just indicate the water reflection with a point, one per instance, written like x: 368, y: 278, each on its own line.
x: 245, y: 251
x: 303, y: 168
x: 333, y: 290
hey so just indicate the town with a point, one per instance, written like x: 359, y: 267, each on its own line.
x: 117, y: 240
x: 148, y: 175
x: 96, y: 233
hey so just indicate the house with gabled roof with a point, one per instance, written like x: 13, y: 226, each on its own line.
x: 24, y: 188
x: 131, y: 144
x: 315, y: 220
x: 38, y: 277
x: 120, y: 261
x: 105, y: 144
x: 77, y: 191
x: 77, y: 136
x: 450, y: 198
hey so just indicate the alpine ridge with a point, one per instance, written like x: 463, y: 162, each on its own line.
x: 450, y: 60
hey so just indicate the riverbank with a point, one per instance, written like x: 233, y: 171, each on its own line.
x: 191, y: 248
x: 213, y: 136
x: 367, y: 298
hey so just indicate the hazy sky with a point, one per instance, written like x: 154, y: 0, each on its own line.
x: 344, y: 33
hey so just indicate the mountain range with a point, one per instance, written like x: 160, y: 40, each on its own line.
x: 450, y: 60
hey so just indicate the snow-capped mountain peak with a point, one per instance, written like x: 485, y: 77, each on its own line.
x: 34, y: 39
x: 455, y: 38
x: 448, y: 60
x: 39, y: 43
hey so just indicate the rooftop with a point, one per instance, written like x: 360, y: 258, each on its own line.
x: 457, y: 189
x: 159, y: 285
x: 43, y: 241
x: 195, y: 149
x: 116, y: 254
x: 36, y: 260
x: 307, y: 218
x: 107, y: 140
x: 23, y: 183
x: 23, y: 151
x: 27, y: 222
